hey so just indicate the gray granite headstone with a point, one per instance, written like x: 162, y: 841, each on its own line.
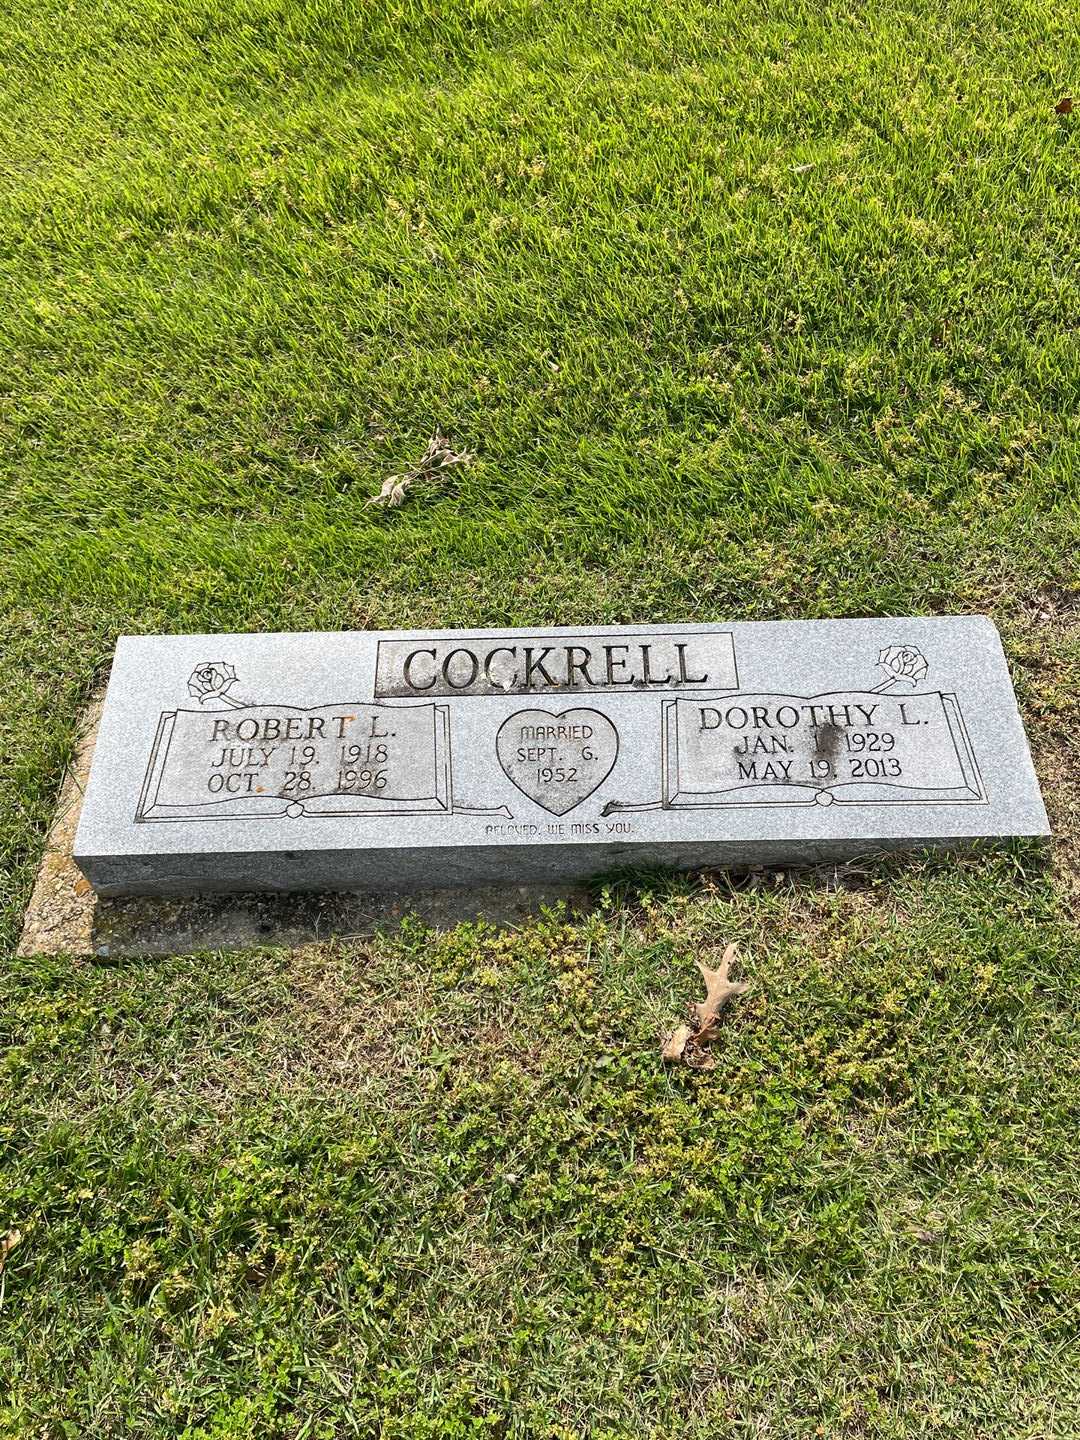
x: 392, y: 761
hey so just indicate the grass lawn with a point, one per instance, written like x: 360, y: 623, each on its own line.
x: 745, y: 311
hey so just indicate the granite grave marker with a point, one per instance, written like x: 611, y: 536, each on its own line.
x: 372, y: 761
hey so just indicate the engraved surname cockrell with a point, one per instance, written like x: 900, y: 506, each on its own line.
x: 534, y: 665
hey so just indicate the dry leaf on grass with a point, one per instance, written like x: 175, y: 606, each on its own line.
x: 392, y: 493
x: 438, y: 456
x: 676, y: 1043
x: 1064, y: 105
x: 718, y: 991
x: 7, y: 1244
x: 689, y: 1043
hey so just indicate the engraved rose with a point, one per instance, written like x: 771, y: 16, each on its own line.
x: 902, y: 662
x: 211, y: 680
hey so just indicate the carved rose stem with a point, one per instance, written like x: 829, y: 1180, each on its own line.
x: 226, y: 700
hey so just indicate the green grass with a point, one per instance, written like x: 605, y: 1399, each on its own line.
x: 443, y: 1187
x: 746, y: 311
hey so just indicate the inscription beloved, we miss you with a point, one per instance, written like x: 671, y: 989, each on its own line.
x: 515, y: 665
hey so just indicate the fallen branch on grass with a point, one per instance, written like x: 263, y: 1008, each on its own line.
x: 438, y: 456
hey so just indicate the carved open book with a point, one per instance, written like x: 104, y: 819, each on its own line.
x: 847, y: 747
x: 271, y: 760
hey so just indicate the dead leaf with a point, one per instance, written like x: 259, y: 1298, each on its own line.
x: 682, y: 1045
x: 1064, y: 105
x: 392, y: 493
x: 718, y: 991
x: 7, y: 1244
x: 699, y: 1059
x: 438, y: 456
x: 82, y: 886
x: 675, y: 1045
x: 689, y: 1043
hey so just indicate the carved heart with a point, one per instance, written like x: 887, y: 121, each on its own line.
x: 557, y: 760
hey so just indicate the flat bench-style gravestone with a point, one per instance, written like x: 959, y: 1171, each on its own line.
x: 364, y: 761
